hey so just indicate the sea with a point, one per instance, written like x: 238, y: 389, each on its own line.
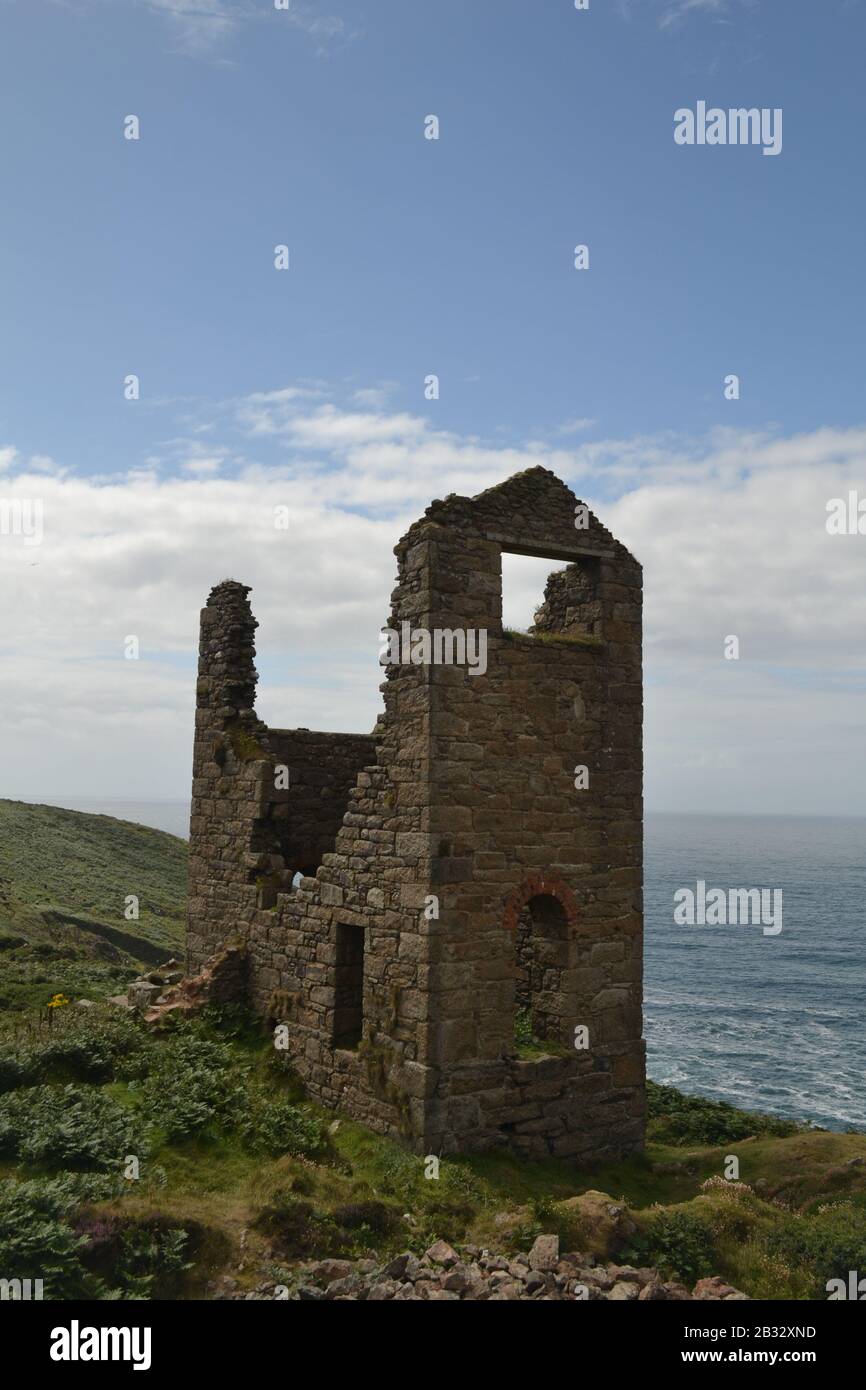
x: 768, y: 1022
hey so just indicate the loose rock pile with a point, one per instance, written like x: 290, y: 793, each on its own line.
x: 168, y: 990
x: 442, y: 1274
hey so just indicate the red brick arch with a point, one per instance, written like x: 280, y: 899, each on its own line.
x: 531, y: 887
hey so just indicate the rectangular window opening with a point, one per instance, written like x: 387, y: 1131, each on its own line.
x: 547, y: 598
x: 541, y: 962
x: 349, y: 987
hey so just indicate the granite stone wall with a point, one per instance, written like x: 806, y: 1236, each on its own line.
x: 485, y: 845
x: 323, y: 769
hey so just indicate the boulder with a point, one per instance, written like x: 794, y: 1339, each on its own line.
x: 326, y: 1271
x: 624, y: 1291
x: 141, y: 994
x: 605, y: 1226
x: 713, y: 1288
x: 402, y: 1267
x: 441, y: 1253
x: 544, y: 1254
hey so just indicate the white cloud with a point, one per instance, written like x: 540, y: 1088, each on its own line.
x: 201, y: 464
x: 331, y: 428
x: 374, y: 397
x: 203, y: 28
x: 272, y: 412
x: 730, y: 529
x: 725, y: 12
x: 43, y: 463
x: 681, y: 8
x: 672, y: 12
x: 200, y: 25
x: 324, y: 28
x: 577, y: 425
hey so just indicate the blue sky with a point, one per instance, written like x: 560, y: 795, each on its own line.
x: 410, y: 257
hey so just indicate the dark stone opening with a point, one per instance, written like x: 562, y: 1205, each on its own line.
x: 306, y: 815
x: 349, y: 986
x: 541, y: 955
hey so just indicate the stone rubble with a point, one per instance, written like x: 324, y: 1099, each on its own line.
x: 470, y: 1274
x: 167, y: 989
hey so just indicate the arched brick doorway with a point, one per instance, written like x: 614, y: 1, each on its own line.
x: 541, y: 885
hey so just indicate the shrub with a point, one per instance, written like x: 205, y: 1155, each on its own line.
x: 725, y: 1188
x: 13, y: 1072
x: 827, y: 1243
x: 298, y: 1229
x: 679, y: 1243
x: 41, y: 1238
x: 233, y: 1021
x: 38, y: 1242
x: 67, y: 1127
x: 94, y: 1044
x: 150, y: 1255
x: 401, y: 1174
x: 194, y: 1085
x: 277, y: 1127
x: 679, y: 1119
x: 444, y: 1209
x: 375, y: 1217
x: 544, y: 1210
x: 279, y: 1068
x: 142, y: 1259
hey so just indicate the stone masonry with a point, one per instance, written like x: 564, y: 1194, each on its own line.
x: 462, y: 885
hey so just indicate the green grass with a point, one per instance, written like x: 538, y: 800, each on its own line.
x: 247, y: 1209
x: 556, y: 638
x: 527, y: 1046
x: 64, y: 879
x: 241, y: 1174
x: 679, y: 1119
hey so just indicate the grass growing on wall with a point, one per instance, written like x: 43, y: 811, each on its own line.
x: 555, y: 638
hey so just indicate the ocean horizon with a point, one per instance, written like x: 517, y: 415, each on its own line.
x: 767, y: 1022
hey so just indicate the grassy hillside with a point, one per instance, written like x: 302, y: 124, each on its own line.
x: 242, y: 1179
x: 64, y: 879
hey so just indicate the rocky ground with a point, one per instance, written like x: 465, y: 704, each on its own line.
x: 443, y: 1274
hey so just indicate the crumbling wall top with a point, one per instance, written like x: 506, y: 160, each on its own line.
x: 531, y: 513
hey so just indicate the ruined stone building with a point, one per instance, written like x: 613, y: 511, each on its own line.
x: 461, y: 963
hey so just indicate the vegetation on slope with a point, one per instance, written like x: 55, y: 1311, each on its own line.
x: 135, y: 1165
x: 65, y: 877
x: 237, y: 1174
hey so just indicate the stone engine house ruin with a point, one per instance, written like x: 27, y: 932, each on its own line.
x: 460, y: 887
